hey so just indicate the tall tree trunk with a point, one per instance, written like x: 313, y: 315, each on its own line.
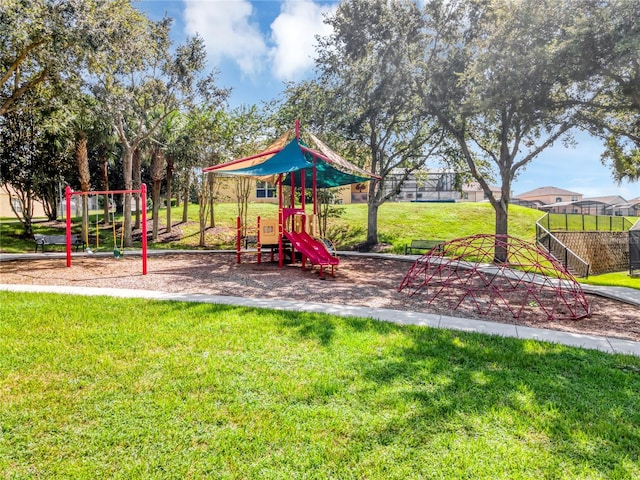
x: 127, y: 165
x: 25, y: 214
x: 169, y: 193
x: 501, y: 254
x: 211, y: 184
x: 372, y: 224
x: 28, y: 213
x: 203, y: 206
x: 157, y: 168
x: 501, y: 206
x: 82, y: 159
x: 372, y: 214
x: 185, y: 202
x: 137, y: 182
x: 105, y: 186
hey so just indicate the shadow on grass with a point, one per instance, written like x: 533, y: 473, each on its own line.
x: 556, y: 410
x: 581, y: 406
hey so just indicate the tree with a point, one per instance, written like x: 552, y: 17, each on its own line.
x: 366, y: 69
x: 242, y: 135
x: 493, y: 76
x: 141, y: 82
x: 606, y: 44
x: 45, y: 48
x: 28, y: 37
x: 157, y: 173
x: 51, y: 42
x: 82, y: 159
x: 32, y: 151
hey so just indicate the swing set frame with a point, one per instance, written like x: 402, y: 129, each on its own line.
x: 143, y: 197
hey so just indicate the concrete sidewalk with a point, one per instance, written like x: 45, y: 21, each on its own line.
x: 605, y: 344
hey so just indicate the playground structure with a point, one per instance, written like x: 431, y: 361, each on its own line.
x: 463, y: 270
x: 117, y: 252
x: 291, y: 162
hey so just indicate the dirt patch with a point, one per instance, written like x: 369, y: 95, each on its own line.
x: 358, y: 281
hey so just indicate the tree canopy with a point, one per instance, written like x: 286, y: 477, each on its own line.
x: 481, y: 86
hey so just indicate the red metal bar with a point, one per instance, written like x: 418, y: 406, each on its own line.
x: 238, y: 239
x: 293, y: 190
x: 144, y: 228
x: 280, y: 221
x: 314, y: 175
x: 104, y: 192
x: 67, y: 194
x: 297, y: 128
x: 293, y: 222
x: 259, y: 243
x: 303, y: 177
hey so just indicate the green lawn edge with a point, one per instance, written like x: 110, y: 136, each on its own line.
x: 122, y: 388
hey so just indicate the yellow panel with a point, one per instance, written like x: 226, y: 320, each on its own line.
x: 269, y: 231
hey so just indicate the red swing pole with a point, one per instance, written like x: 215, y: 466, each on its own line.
x: 280, y: 221
x: 67, y: 194
x: 144, y: 228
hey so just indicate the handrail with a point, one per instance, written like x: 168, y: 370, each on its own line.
x: 570, y: 258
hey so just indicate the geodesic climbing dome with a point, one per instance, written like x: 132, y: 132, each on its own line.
x: 463, y: 271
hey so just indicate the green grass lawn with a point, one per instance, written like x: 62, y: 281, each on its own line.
x: 102, y: 387
x: 616, y: 279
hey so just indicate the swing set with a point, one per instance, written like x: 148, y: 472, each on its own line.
x: 117, y: 251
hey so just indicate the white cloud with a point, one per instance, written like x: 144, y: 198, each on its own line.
x: 228, y: 31
x: 293, y: 32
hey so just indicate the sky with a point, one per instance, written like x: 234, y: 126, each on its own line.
x: 258, y: 45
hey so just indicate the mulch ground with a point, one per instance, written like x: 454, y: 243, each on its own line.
x: 358, y: 281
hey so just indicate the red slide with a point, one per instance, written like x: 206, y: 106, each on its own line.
x: 311, y: 248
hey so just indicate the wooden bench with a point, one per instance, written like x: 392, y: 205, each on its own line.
x: 43, y: 240
x: 422, y: 246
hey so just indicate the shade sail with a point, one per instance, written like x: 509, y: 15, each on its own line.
x: 291, y: 159
x: 326, y: 177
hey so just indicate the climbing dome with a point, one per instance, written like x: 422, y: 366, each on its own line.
x: 463, y: 271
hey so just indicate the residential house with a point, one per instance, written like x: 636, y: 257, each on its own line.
x: 630, y: 208
x: 548, y: 195
x: 586, y: 206
x: 8, y: 197
x: 473, y: 192
x: 422, y: 186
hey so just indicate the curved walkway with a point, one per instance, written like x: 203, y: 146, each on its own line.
x: 605, y: 344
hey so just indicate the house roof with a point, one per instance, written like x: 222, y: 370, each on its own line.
x: 609, y: 200
x: 537, y: 192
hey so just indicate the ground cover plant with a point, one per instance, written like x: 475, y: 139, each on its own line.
x: 96, y: 387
